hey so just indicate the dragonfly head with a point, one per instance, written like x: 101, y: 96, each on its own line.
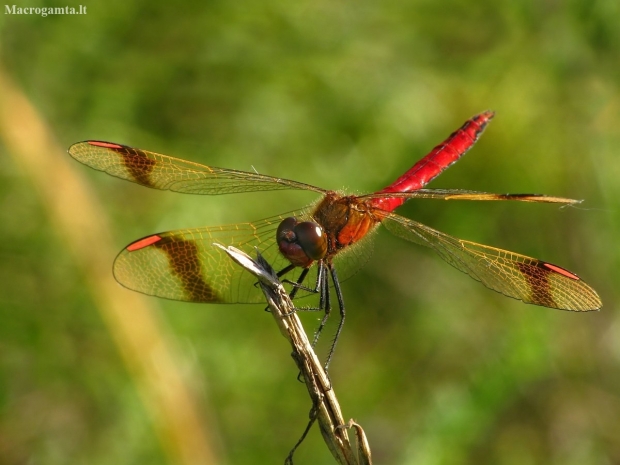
x: 301, y: 243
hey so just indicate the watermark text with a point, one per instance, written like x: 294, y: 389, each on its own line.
x: 45, y: 11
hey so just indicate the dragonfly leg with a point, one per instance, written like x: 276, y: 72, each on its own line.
x: 313, y: 417
x: 324, y: 303
x: 317, y: 289
x: 342, y: 314
x: 281, y: 273
x: 297, y: 285
x: 322, y: 288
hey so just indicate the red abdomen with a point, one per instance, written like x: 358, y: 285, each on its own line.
x: 433, y: 164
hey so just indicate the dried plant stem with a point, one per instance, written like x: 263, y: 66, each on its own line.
x: 325, y: 408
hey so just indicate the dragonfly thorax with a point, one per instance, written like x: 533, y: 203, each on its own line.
x: 301, y: 243
x: 345, y: 220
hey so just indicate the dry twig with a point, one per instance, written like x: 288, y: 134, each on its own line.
x: 325, y: 407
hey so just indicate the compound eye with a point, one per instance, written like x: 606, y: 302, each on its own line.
x: 301, y: 243
x: 286, y: 229
x: 288, y: 244
x: 312, y: 239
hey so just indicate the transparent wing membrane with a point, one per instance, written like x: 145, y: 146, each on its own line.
x: 184, y: 264
x: 168, y: 173
x: 528, y: 279
x: 460, y: 194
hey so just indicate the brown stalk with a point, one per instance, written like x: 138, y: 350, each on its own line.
x: 325, y: 408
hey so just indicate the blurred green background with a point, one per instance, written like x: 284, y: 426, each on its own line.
x: 435, y: 367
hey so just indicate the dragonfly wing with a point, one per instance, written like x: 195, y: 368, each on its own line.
x: 184, y: 264
x: 528, y: 279
x: 168, y: 173
x: 460, y: 194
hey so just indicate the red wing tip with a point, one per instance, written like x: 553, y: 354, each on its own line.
x: 107, y: 145
x: 142, y: 243
x: 561, y: 271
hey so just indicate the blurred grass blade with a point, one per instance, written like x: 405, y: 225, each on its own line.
x: 141, y: 338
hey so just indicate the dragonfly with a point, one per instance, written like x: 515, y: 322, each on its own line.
x: 317, y: 246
